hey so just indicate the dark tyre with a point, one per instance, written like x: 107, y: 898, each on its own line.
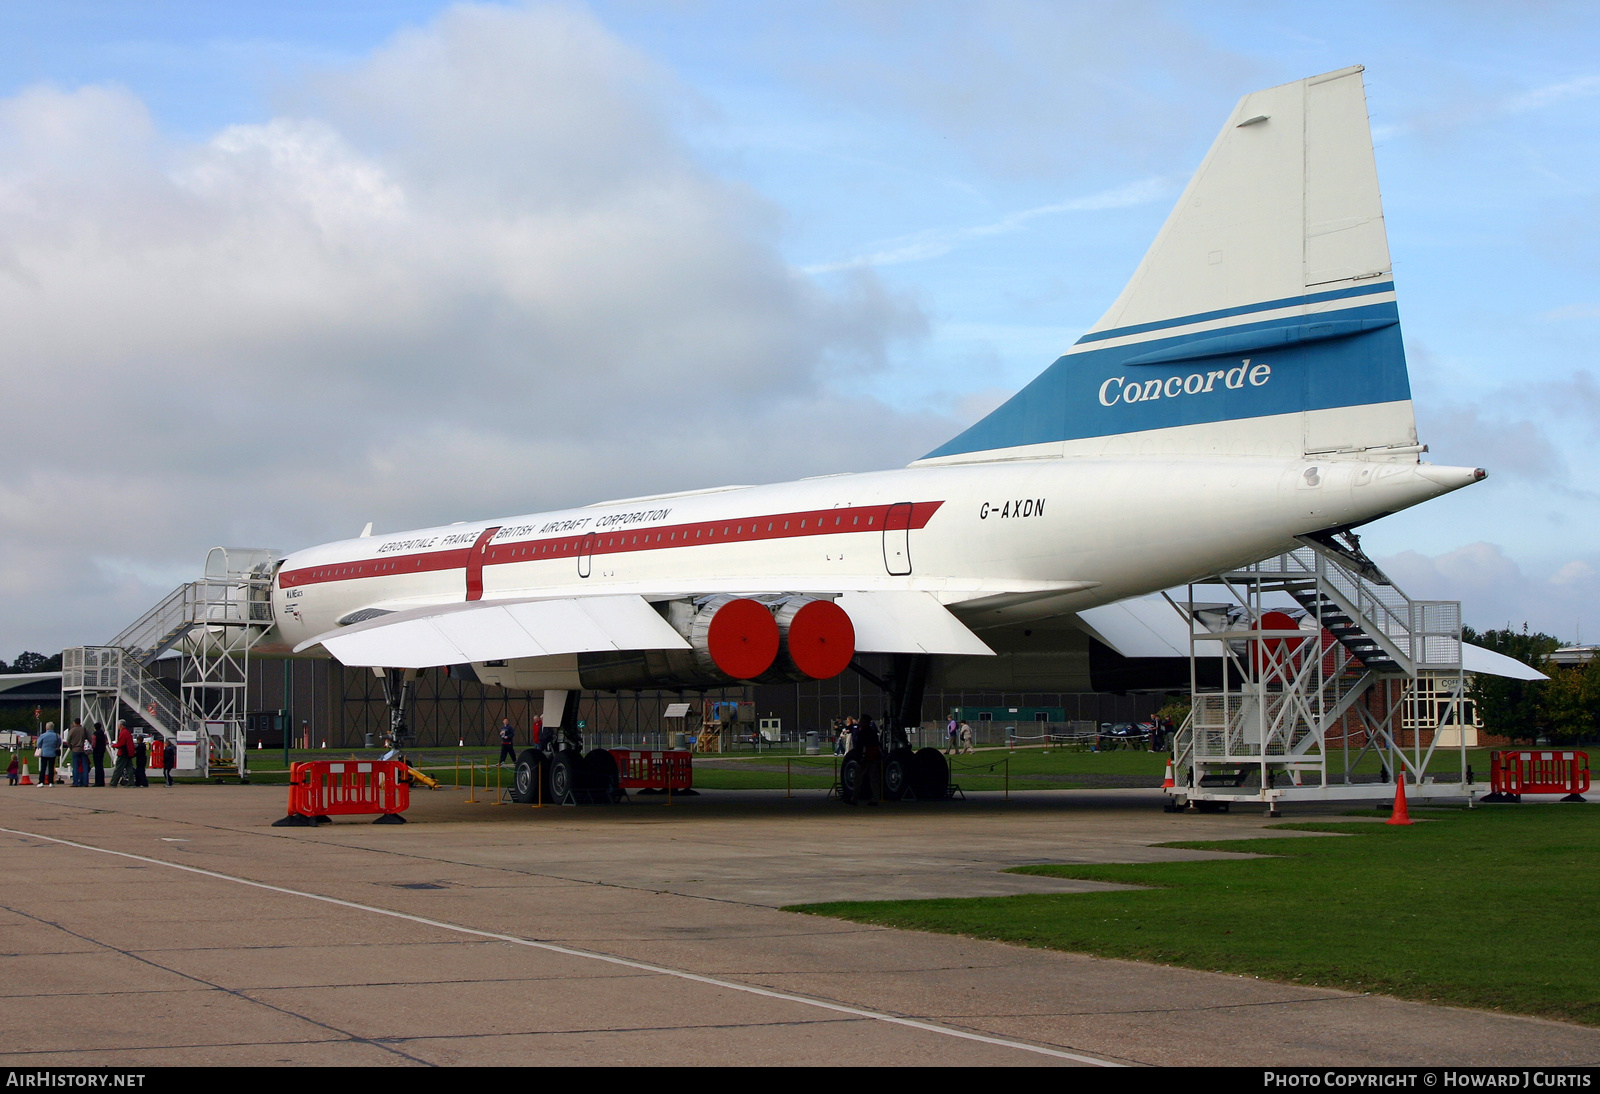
x: 566, y: 775
x: 849, y: 776
x: 525, y: 779
x: 600, y: 771
x: 930, y: 774
x: 897, y: 774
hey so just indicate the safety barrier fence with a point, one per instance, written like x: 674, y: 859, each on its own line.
x: 1515, y: 773
x: 319, y: 789
x: 644, y: 770
x: 1094, y: 740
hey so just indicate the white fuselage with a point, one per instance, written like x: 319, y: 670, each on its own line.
x: 1044, y: 537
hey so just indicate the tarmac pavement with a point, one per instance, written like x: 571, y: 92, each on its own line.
x: 156, y: 926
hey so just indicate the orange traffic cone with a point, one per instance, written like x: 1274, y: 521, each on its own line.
x: 25, y: 781
x: 1399, y: 815
x: 1168, y: 784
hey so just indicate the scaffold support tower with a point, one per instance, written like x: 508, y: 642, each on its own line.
x: 210, y: 626
x: 1324, y: 663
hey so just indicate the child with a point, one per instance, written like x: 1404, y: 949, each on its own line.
x: 140, y: 759
x: 13, y: 772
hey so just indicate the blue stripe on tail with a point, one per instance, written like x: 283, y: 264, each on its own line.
x: 1351, y: 357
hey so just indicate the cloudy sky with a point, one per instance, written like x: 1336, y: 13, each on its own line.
x: 271, y: 271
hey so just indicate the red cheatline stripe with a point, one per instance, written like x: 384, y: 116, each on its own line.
x: 813, y: 522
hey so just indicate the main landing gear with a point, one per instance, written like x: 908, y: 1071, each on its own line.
x: 558, y: 771
x: 896, y: 774
x: 894, y: 771
x: 566, y: 776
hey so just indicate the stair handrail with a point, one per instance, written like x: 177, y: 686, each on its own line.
x: 208, y: 602
x: 114, y: 669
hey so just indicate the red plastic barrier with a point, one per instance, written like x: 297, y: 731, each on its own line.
x: 1535, y: 772
x: 324, y: 788
x: 642, y: 770
x: 158, y: 752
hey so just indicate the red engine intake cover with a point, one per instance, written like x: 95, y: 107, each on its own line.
x: 822, y: 640
x: 1260, y: 647
x: 743, y: 639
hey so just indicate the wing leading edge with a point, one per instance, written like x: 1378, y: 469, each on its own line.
x: 454, y: 634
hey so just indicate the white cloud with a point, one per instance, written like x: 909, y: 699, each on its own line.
x: 1495, y: 591
x: 1583, y: 87
x: 1572, y: 311
x: 938, y: 242
x: 481, y: 275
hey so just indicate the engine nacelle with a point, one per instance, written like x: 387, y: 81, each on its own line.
x: 818, y: 640
x: 732, y: 639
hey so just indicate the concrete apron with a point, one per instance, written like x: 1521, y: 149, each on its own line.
x: 639, y: 934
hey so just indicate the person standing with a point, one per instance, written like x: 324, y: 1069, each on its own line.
x: 951, y: 738
x: 869, y: 773
x: 122, y: 773
x: 141, y: 759
x: 48, y: 749
x: 169, y: 759
x: 99, y: 750
x: 508, y: 737
x: 78, y: 752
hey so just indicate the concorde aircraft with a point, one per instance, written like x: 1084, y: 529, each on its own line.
x: 1248, y: 386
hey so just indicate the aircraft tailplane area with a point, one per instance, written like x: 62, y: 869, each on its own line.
x: 1262, y: 321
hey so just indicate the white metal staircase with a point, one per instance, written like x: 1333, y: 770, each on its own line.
x: 1290, y: 699
x: 211, y: 625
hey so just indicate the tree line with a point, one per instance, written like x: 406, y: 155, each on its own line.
x: 28, y: 661
x: 1564, y: 709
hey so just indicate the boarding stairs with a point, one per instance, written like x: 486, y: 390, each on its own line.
x: 209, y: 626
x: 1291, y: 699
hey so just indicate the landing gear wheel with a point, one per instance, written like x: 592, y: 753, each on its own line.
x: 566, y: 775
x: 526, y: 777
x: 600, y: 773
x: 897, y: 774
x: 930, y: 774
x: 849, y: 776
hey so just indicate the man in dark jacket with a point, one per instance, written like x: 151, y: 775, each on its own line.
x: 508, y: 737
x: 169, y: 759
x: 869, y: 775
x: 99, y: 750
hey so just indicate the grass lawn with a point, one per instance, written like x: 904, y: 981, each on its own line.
x: 812, y: 778
x: 1030, y: 768
x: 1492, y: 908
x: 976, y: 772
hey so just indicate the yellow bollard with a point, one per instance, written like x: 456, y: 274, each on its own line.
x: 538, y: 779
x: 499, y: 795
x: 458, y: 771
x: 472, y: 782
